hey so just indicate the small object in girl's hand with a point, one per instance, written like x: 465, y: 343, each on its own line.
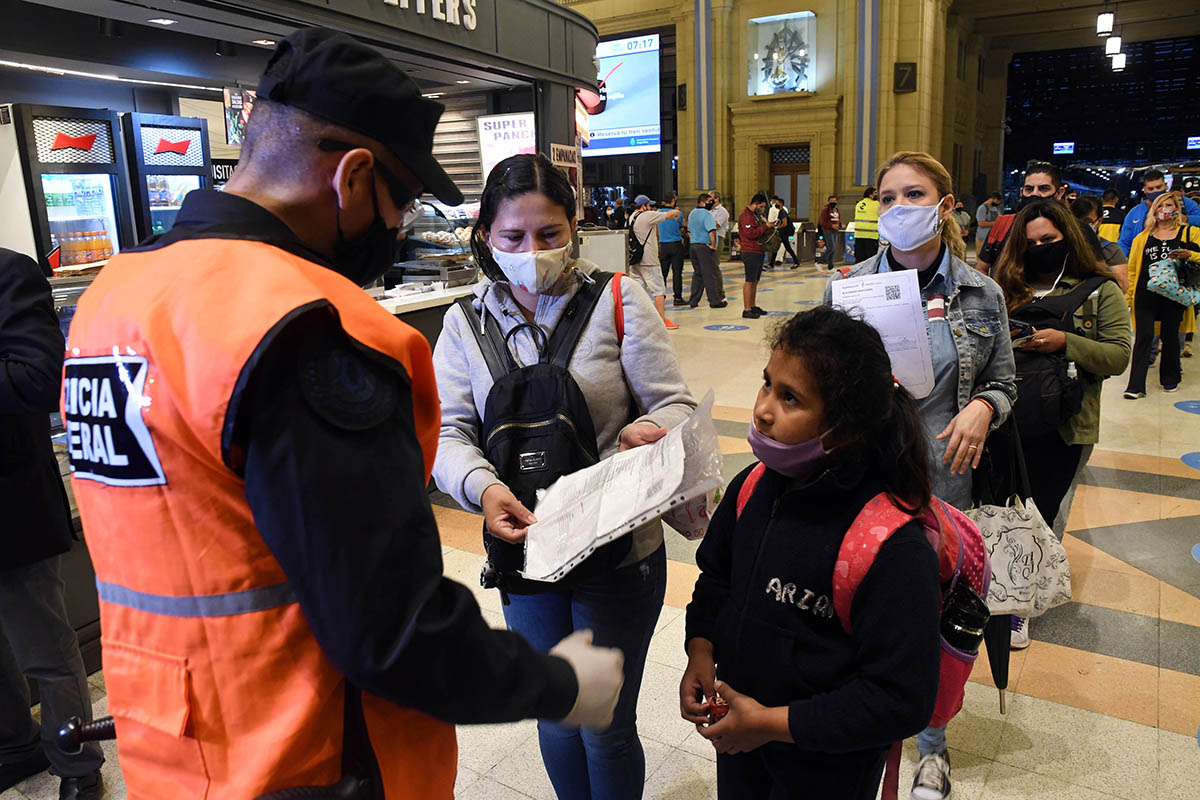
x: 717, y: 708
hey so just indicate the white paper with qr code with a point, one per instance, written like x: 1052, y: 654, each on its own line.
x: 590, y: 508
x: 891, y: 303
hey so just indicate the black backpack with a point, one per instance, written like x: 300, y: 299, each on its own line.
x: 637, y: 250
x: 537, y: 428
x: 1047, y: 395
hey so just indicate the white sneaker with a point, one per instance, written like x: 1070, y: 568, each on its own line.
x: 1020, y: 633
x: 932, y: 781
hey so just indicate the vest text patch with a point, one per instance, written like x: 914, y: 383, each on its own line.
x: 107, y: 438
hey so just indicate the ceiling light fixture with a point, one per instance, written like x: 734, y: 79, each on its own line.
x: 102, y: 77
x: 225, y: 48
x: 1104, y: 23
x: 433, y: 96
x: 462, y: 83
x: 264, y: 42
x: 162, y: 21
x: 1118, y: 62
x: 1112, y: 45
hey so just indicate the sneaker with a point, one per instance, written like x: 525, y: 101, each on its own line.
x: 758, y: 311
x: 750, y: 313
x: 721, y: 304
x: 679, y: 301
x: 1020, y: 633
x: 671, y: 326
x: 1134, y: 395
x: 88, y: 787
x: 1187, y: 350
x: 14, y: 772
x: 932, y: 781
x: 1174, y: 387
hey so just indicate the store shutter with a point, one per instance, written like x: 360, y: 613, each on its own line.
x: 456, y: 142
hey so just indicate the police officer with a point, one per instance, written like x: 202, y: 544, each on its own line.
x: 251, y: 437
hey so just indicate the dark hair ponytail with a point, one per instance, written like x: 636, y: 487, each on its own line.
x: 875, y: 424
x: 513, y: 177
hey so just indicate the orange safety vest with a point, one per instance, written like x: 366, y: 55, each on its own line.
x: 218, y: 687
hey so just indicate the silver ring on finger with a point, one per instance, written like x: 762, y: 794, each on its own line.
x: 972, y: 447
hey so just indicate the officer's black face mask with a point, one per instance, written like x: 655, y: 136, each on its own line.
x: 366, y: 257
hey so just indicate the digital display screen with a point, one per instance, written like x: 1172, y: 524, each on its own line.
x: 1193, y: 143
x: 624, y: 116
x: 1064, y: 148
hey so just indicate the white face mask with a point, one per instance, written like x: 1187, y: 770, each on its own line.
x: 534, y: 271
x: 907, y: 227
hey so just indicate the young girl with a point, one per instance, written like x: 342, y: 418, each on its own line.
x: 812, y: 708
x: 634, y: 391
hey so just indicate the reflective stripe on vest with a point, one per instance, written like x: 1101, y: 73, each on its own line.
x: 866, y: 220
x: 208, y: 605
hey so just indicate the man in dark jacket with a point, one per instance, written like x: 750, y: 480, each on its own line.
x: 36, y: 640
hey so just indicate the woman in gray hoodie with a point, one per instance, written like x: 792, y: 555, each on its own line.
x: 634, y: 392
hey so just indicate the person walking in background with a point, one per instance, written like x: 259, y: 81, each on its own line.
x: 1111, y: 216
x: 706, y: 272
x: 963, y: 218
x: 643, y: 226
x: 866, y: 225
x: 985, y: 218
x: 1167, y: 235
x: 783, y: 222
x: 671, y: 249
x: 830, y: 223
x: 1086, y: 210
x: 752, y: 228
x: 975, y: 383
x: 1052, y: 283
x: 618, y: 217
x: 37, y: 641
x: 721, y: 218
x: 1154, y: 185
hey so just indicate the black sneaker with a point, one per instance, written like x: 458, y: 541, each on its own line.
x: 679, y: 301
x: 932, y: 781
x: 86, y: 787
x: 761, y: 312
x: 14, y: 772
x: 750, y: 313
x: 721, y: 304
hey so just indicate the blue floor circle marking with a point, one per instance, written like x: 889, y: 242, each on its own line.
x: 1190, y: 406
x: 766, y: 290
x: 1196, y: 552
x: 808, y: 302
x: 779, y: 314
x: 726, y: 327
x: 792, y: 283
x: 1192, y: 460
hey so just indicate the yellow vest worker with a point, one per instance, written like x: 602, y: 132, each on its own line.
x: 866, y: 225
x: 251, y: 437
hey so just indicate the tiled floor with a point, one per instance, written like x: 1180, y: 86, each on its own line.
x: 1105, y: 702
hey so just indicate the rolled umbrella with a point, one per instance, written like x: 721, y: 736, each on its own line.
x: 998, y: 635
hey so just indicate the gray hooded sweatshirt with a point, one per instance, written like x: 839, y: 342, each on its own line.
x: 642, y: 373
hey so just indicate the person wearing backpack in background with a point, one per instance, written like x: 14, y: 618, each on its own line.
x: 816, y: 693
x: 643, y: 252
x: 1071, y: 332
x: 621, y: 387
x: 974, y: 384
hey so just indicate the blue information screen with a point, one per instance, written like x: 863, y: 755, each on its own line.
x: 626, y: 119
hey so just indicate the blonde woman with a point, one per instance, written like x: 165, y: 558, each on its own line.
x: 975, y: 376
x: 1167, y: 235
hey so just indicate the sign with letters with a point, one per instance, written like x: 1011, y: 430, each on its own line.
x: 504, y: 135
x: 452, y: 12
x: 107, y: 437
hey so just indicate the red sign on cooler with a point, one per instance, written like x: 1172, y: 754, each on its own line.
x: 173, y: 147
x: 64, y: 142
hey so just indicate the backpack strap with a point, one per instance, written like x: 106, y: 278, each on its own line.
x: 748, y: 486
x: 873, y: 526
x: 491, y: 342
x: 618, y: 307
x: 565, y: 339
x: 1062, y: 306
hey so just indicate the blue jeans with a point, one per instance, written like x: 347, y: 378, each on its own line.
x: 621, y: 608
x: 931, y: 740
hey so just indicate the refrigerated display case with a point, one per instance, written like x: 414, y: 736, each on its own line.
x: 437, y: 249
x: 168, y: 157
x: 64, y: 197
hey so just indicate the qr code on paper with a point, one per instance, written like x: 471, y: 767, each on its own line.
x: 891, y: 292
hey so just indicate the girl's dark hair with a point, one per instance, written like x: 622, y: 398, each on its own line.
x: 1009, y: 271
x: 875, y: 423
x: 513, y: 177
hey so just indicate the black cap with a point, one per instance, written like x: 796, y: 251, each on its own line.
x: 340, y: 80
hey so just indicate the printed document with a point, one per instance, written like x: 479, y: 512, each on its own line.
x: 589, y: 508
x: 891, y: 303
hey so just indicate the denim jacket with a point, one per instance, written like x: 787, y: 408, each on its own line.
x: 979, y: 323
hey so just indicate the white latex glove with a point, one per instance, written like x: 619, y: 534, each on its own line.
x: 598, y: 671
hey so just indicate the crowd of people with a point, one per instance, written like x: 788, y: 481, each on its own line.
x: 268, y: 562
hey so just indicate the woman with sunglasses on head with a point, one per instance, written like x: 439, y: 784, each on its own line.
x: 1167, y: 236
x: 625, y: 367
x: 972, y: 358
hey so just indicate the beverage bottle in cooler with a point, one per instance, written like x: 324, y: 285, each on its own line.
x: 106, y: 249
